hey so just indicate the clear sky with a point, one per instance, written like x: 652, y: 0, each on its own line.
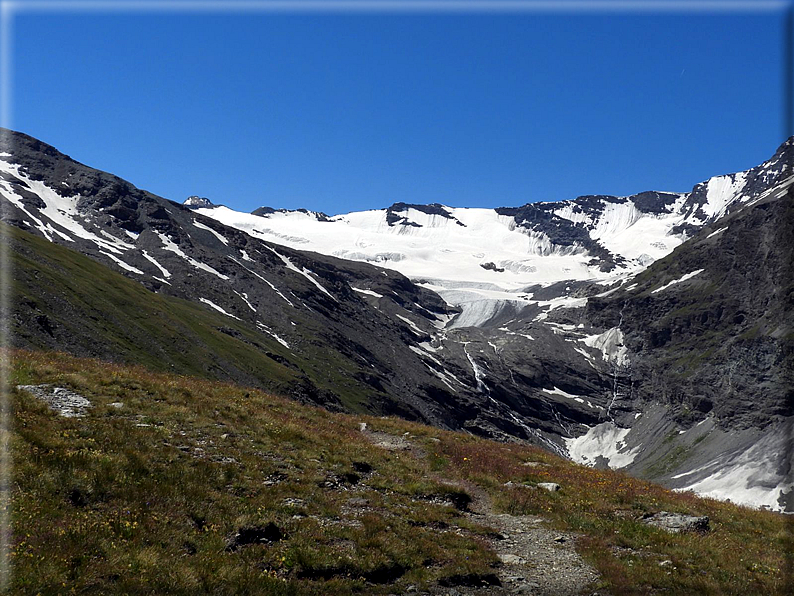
x: 345, y: 111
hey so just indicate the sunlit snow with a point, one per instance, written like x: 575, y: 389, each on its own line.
x: 218, y: 308
x: 121, y: 263
x: 603, y: 440
x: 272, y: 333
x: 154, y: 262
x: 678, y: 281
x: 304, y: 272
x: 367, y: 292
x: 610, y: 343
x: 476, y: 259
x: 210, y: 230
x: 169, y: 245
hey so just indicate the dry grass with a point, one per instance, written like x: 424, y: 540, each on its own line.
x: 143, y: 499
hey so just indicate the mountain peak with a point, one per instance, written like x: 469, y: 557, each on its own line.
x: 196, y: 202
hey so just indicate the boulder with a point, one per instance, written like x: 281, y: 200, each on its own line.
x: 678, y: 522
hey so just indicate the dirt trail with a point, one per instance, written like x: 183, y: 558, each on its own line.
x: 535, y: 560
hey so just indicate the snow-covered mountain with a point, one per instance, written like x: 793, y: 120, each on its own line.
x: 601, y: 327
x: 486, y: 260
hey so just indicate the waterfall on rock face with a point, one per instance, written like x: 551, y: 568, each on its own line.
x: 619, y: 364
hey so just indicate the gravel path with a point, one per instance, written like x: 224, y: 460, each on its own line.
x: 535, y: 559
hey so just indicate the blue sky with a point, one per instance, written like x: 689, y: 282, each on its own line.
x: 342, y: 111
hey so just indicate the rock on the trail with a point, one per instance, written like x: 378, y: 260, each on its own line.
x: 510, y: 559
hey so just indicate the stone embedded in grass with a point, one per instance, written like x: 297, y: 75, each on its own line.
x: 275, y: 478
x: 678, y: 522
x: 65, y: 402
x: 340, y: 481
x: 293, y: 502
x: 549, y: 486
x: 511, y: 484
x: 254, y: 535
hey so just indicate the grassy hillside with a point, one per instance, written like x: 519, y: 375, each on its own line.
x: 179, y: 485
x: 66, y: 301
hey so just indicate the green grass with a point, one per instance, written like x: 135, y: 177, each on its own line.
x: 140, y: 500
x: 97, y: 312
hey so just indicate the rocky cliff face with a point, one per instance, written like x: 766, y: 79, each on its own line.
x: 710, y: 326
x: 709, y: 333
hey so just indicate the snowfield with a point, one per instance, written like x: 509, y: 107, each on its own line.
x: 483, y: 261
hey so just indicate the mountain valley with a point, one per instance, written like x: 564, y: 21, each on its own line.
x: 650, y: 333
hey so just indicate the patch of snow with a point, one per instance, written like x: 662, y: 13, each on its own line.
x: 272, y: 287
x: 424, y: 354
x: 695, y: 471
x: 678, y: 281
x: 367, y: 292
x: 61, y: 211
x: 152, y: 260
x: 586, y: 354
x: 244, y: 298
x: 752, y: 479
x: 442, y: 320
x: 561, y: 393
x: 610, y: 343
x: 121, y: 263
x: 218, y: 308
x: 479, y: 375
x: 524, y: 335
x: 270, y: 332
x: 563, y: 302
x: 112, y: 238
x: 171, y: 246
x: 428, y: 347
x: 412, y: 325
x: 721, y: 192
x: 304, y: 272
x: 201, y: 226
x: 605, y: 440
x: 717, y: 232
